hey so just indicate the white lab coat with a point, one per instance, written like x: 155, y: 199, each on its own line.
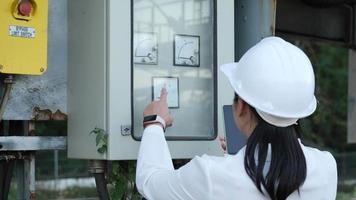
x: 211, y: 177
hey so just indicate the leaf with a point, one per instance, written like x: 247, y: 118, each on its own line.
x: 105, y: 138
x: 102, y: 149
x: 100, y: 131
x: 101, y: 139
x: 97, y: 139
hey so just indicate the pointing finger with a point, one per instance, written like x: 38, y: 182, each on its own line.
x: 164, y: 94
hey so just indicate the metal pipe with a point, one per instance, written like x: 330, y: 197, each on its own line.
x: 254, y: 20
x: 31, y: 164
x: 55, y: 166
x: 7, y: 165
x: 6, y: 168
x: 32, y: 143
x: 31, y: 180
x: 101, y: 188
x: 8, y: 85
x: 98, y: 169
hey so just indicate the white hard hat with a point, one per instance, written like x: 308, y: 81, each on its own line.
x: 277, y: 79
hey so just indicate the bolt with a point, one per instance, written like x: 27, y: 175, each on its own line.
x: 1, y: 67
x: 41, y: 69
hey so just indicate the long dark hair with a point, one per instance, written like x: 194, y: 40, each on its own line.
x: 287, y: 171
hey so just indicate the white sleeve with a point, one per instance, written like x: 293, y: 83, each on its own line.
x: 156, y: 178
x: 332, y: 177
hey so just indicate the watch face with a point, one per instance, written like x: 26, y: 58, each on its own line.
x: 149, y: 118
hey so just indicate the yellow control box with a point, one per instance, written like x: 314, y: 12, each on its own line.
x: 23, y: 36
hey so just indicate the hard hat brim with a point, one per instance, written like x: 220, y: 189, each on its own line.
x: 275, y: 120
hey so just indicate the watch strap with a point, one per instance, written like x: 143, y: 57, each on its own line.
x: 156, y: 119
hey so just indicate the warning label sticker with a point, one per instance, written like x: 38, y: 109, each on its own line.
x: 22, y: 31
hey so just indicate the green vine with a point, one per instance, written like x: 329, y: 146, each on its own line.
x: 122, y: 174
x: 101, y: 139
x: 122, y: 181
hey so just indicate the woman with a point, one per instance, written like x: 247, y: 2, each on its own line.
x: 274, y: 87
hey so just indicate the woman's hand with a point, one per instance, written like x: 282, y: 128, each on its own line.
x: 222, y: 143
x: 160, y: 108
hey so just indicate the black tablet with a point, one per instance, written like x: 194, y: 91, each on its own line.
x: 235, y: 140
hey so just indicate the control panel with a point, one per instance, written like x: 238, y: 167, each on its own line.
x: 23, y: 36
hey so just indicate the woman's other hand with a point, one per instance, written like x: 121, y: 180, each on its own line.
x: 222, y: 143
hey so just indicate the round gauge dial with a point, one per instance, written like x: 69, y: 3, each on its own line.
x: 145, y: 48
x: 187, y: 50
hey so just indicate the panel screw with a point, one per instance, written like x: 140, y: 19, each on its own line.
x: 1, y: 67
x: 41, y: 70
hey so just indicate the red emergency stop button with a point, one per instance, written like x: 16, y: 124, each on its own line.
x: 25, y: 8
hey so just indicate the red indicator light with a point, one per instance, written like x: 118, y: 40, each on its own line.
x: 25, y: 8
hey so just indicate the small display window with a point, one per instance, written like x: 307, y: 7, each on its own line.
x: 172, y: 86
